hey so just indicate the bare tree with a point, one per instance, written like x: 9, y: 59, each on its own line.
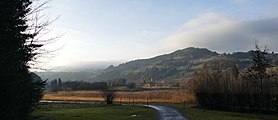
x: 108, y: 93
x: 222, y: 86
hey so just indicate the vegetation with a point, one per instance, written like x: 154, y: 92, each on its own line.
x: 159, y: 68
x: 20, y: 90
x: 58, y: 85
x: 194, y: 113
x: 175, y: 96
x: 175, y: 66
x: 92, y: 112
x: 109, y: 94
x: 221, y: 86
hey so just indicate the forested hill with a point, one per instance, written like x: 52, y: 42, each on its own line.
x: 178, y: 65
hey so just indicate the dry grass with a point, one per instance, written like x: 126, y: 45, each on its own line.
x: 172, y: 96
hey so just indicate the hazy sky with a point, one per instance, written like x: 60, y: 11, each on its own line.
x: 101, y: 31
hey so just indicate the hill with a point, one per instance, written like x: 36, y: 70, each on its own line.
x: 178, y: 65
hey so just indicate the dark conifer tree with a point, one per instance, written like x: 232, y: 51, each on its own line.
x: 60, y: 84
x: 19, y: 90
x: 257, y: 73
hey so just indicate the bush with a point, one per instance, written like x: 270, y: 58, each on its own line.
x: 219, y: 86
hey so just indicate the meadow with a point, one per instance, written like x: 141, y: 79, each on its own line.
x: 66, y: 111
x: 185, y: 103
x: 168, y: 96
x: 195, y: 113
x: 54, y: 111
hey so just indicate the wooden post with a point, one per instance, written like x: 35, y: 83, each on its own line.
x: 183, y: 104
x: 147, y: 102
x: 129, y: 100
x: 133, y: 102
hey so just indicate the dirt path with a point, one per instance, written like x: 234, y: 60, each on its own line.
x: 167, y: 113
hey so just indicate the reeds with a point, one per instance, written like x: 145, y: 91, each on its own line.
x: 173, y: 96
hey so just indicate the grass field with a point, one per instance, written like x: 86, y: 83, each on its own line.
x: 51, y: 111
x: 92, y: 112
x: 195, y: 113
x: 170, y: 96
x: 96, y: 112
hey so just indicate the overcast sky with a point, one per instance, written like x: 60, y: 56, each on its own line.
x: 105, y: 31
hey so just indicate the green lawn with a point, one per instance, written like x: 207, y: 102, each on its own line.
x: 91, y: 112
x: 104, y: 112
x: 203, y: 114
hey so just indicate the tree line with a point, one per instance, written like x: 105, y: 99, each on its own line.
x: 57, y: 85
x: 221, y: 85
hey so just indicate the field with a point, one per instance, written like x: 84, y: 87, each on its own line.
x: 51, y: 111
x: 194, y: 113
x: 172, y: 98
x: 169, y: 96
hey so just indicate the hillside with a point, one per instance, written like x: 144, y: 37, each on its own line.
x: 178, y: 65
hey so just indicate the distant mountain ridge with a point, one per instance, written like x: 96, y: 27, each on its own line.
x: 160, y: 67
x: 178, y: 65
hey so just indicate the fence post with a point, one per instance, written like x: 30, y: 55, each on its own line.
x: 133, y: 102
x: 147, y: 102
x: 129, y: 100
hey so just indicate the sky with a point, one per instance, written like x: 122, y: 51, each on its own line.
x: 102, y: 32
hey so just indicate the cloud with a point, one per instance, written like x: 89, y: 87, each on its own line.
x: 223, y: 34
x: 205, y: 20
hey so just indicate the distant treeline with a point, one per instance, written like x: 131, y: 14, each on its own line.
x: 222, y: 86
x: 58, y: 85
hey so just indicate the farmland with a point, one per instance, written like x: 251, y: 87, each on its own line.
x: 53, y: 111
x: 173, y: 96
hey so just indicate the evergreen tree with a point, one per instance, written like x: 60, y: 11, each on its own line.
x: 19, y: 90
x: 258, y: 76
x: 257, y: 72
x: 60, y: 84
